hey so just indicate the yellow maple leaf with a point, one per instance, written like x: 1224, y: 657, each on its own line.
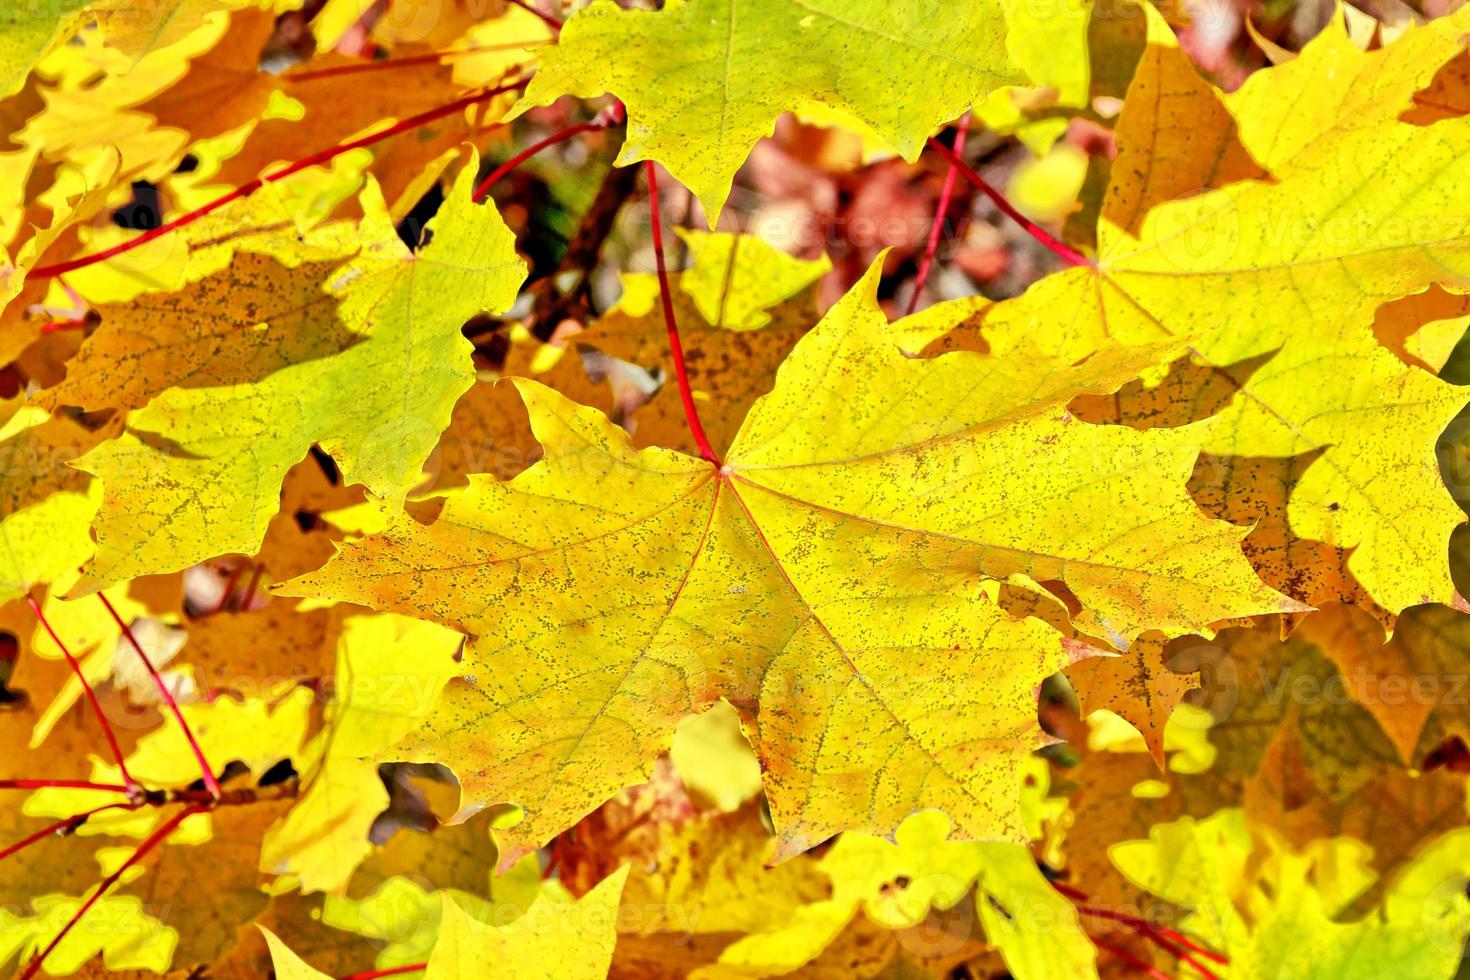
x: 614, y: 591
x: 1277, y: 284
x: 552, y: 940
x: 379, y: 696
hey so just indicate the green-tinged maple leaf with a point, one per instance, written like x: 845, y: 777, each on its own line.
x: 703, y: 80
x: 753, y: 581
x: 1286, y: 277
x: 1050, y: 45
x: 557, y: 941
x: 390, y: 671
x: 1275, y: 914
x: 736, y: 279
x: 898, y: 883
x: 172, y: 484
x: 396, y: 898
x: 29, y: 29
x: 549, y: 938
x: 714, y: 760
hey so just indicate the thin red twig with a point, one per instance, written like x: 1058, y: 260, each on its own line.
x: 1143, y: 925
x: 76, y: 669
x: 230, y: 584
x: 1129, y: 958
x: 62, y: 784
x: 505, y: 168
x: 1058, y: 247
x: 255, y: 184
x: 390, y: 972
x: 1179, y: 954
x: 210, y: 783
x: 676, y: 349
x: 554, y: 23
x: 65, y: 826
x: 388, y: 64
x: 56, y: 326
x: 946, y: 194
x: 250, y: 588
x: 1076, y: 894
x: 149, y: 843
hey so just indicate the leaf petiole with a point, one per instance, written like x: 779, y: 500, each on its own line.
x: 210, y: 782
x: 676, y: 349
x: 1058, y: 247
x: 76, y: 669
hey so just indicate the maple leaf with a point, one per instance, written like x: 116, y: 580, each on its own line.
x: 200, y: 85
x: 1404, y: 681
x: 235, y: 327
x: 736, y: 279
x: 898, y: 883
x: 1272, y: 918
x: 45, y: 508
x: 1293, y: 269
x: 378, y: 700
x: 737, y: 66
x: 138, y: 27
x: 753, y: 582
x: 1141, y: 684
x: 170, y: 482
x: 28, y: 30
x: 1394, y: 812
x: 1257, y: 684
x: 554, y: 941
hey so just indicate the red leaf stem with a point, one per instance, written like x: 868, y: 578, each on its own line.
x: 676, y: 349
x: 1058, y: 247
